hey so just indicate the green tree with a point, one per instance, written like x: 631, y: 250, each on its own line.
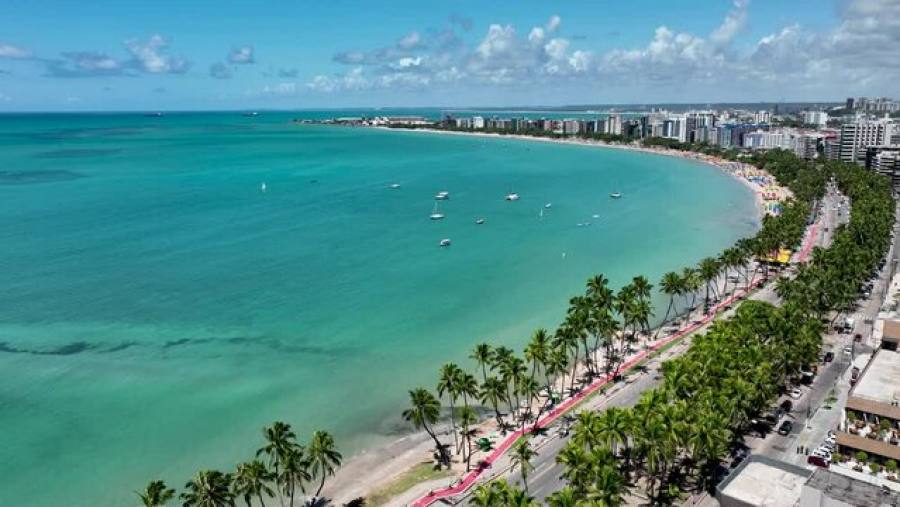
x: 482, y: 355
x: 324, y: 457
x: 156, y: 494
x: 251, y: 479
x: 209, y: 488
x: 521, y: 457
x: 424, y: 412
x: 449, y: 382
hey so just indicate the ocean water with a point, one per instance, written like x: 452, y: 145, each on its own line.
x: 157, y: 308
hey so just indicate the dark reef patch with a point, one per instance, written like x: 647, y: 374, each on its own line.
x: 77, y: 153
x: 37, y: 177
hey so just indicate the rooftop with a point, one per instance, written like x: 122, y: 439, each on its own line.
x: 880, y: 382
x: 765, y: 482
x: 851, y: 491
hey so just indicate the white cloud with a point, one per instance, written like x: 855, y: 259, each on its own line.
x: 553, y: 23
x: 856, y: 56
x: 411, y: 41
x: 241, y: 55
x: 150, y: 56
x: 734, y: 22
x: 14, y: 52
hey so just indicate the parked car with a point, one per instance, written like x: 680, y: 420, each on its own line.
x: 818, y: 461
x: 848, y: 350
x: 854, y: 375
x: 785, y: 428
x: 796, y: 393
x: 829, y: 357
x: 787, y: 405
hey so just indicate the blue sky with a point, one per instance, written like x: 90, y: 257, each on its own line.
x: 115, y: 55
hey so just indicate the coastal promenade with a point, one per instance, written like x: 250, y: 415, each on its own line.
x: 545, y: 468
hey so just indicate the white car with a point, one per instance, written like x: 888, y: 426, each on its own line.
x: 848, y: 350
x: 823, y: 452
x: 830, y: 440
x: 796, y: 393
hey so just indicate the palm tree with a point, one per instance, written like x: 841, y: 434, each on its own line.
x: 424, y: 411
x: 537, y: 349
x: 566, y: 497
x: 493, y: 392
x: 252, y: 479
x: 521, y: 457
x: 451, y: 375
x: 209, y: 488
x: 671, y: 285
x: 295, y: 473
x: 467, y: 418
x: 613, y: 427
x: 156, y: 494
x: 482, y: 355
x: 323, y: 457
x: 280, y: 442
x: 692, y: 283
x: 709, y: 271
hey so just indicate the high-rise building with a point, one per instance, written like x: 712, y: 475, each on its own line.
x: 761, y: 117
x: 817, y: 118
x: 856, y: 137
x: 850, y: 103
x: 614, y: 125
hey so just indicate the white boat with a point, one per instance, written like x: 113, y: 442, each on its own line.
x: 479, y: 221
x: 616, y: 195
x: 263, y: 187
x: 541, y: 213
x: 595, y: 216
x: 442, y: 195
x: 435, y: 213
x: 395, y: 185
x: 548, y: 205
x: 445, y: 242
x: 512, y: 196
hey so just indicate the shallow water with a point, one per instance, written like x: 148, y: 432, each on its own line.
x: 158, y: 308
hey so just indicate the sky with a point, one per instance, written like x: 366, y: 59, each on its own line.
x: 292, y: 54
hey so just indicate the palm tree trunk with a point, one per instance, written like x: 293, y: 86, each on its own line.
x: 321, y: 484
x: 665, y: 318
x: 453, y: 423
x: 261, y: 502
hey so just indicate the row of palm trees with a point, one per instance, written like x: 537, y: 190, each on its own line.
x: 678, y: 433
x: 282, y: 469
x: 676, y: 436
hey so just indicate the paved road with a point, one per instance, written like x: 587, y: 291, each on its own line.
x: 545, y: 478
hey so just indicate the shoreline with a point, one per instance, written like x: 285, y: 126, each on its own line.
x: 375, y: 468
x: 739, y: 170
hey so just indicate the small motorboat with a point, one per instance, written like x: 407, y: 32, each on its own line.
x: 595, y: 216
x: 435, y: 213
x: 443, y: 195
x: 479, y: 221
x: 263, y: 187
x: 616, y: 195
x: 548, y: 205
x: 512, y: 196
x: 395, y: 186
x: 445, y: 242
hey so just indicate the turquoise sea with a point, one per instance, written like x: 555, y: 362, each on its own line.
x: 157, y: 308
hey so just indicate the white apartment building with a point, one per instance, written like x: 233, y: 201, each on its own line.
x: 817, y: 118
x: 477, y: 122
x: 856, y: 137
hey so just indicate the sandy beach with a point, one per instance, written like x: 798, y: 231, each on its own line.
x: 374, y: 469
x: 765, y: 189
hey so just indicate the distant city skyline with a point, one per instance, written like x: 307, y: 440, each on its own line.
x: 105, y: 55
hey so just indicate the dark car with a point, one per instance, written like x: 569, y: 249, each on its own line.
x: 739, y: 456
x: 829, y: 357
x: 785, y: 428
x: 787, y: 405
